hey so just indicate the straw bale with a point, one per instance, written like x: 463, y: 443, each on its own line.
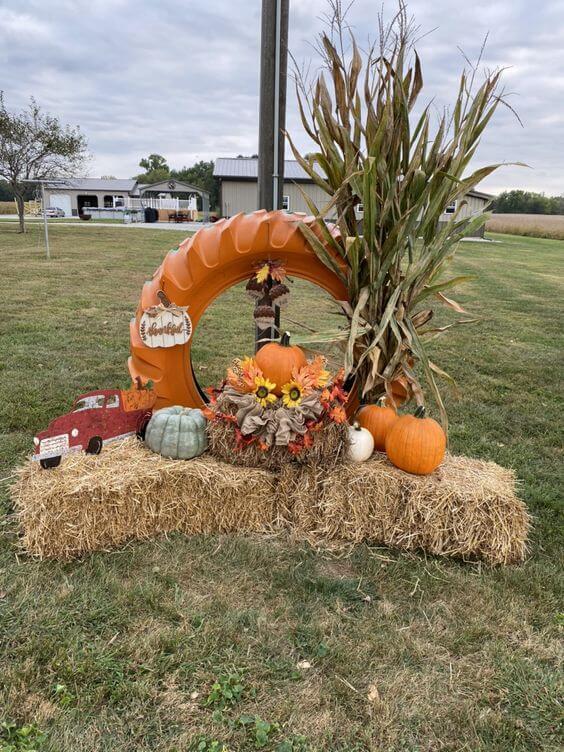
x: 99, y: 502
x: 467, y: 508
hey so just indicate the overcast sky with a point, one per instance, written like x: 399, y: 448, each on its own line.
x: 180, y: 77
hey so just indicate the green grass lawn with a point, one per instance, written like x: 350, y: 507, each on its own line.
x: 263, y: 643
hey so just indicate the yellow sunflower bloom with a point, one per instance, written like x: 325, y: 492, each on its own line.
x: 292, y: 394
x: 263, y: 391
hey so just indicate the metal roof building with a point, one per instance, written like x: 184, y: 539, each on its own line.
x: 73, y: 195
x: 96, y: 184
x: 239, y: 190
x: 247, y: 168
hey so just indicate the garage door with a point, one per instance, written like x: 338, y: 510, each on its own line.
x: 61, y: 201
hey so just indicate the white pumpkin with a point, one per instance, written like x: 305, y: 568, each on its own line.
x: 361, y: 443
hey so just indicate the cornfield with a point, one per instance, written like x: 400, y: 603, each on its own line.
x: 8, y: 207
x: 531, y: 225
x: 371, y: 150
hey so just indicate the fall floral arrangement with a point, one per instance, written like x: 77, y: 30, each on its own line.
x: 277, y: 400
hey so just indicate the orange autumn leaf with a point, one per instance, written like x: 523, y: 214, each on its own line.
x: 313, y: 375
x: 338, y: 414
x: 242, y: 377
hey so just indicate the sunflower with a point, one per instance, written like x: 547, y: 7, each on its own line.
x: 263, y: 391
x: 292, y: 393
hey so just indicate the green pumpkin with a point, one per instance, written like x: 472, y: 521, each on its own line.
x: 177, y: 432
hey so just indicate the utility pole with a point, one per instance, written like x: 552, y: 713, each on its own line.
x: 45, y: 223
x: 272, y: 121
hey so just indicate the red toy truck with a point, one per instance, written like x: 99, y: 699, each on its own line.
x: 95, y: 419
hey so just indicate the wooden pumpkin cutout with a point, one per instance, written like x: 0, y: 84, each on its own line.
x: 165, y: 324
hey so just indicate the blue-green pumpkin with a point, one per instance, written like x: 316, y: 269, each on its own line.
x: 177, y: 432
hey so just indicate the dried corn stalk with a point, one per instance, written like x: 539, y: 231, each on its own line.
x: 370, y: 150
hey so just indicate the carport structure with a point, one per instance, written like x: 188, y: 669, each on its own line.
x: 175, y: 189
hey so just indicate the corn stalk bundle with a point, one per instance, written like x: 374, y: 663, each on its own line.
x: 371, y: 150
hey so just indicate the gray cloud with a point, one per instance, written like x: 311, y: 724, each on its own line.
x: 182, y: 78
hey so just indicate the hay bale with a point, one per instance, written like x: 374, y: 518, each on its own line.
x: 467, y: 509
x: 91, y: 503
x: 328, y: 450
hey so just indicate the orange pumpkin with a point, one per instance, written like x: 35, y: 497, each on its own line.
x: 415, y: 443
x: 378, y: 419
x: 278, y: 360
x: 399, y: 391
x: 399, y: 387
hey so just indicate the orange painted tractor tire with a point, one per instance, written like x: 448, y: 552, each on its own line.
x: 204, y: 266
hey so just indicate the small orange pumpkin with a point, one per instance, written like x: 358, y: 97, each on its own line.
x: 415, y: 443
x: 399, y: 391
x: 378, y: 419
x: 277, y: 360
x: 400, y: 388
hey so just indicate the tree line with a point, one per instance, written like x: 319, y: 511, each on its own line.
x: 527, y: 202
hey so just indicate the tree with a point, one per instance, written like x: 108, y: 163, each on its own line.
x: 372, y: 150
x: 153, y: 162
x: 156, y: 169
x: 527, y: 202
x: 36, y: 146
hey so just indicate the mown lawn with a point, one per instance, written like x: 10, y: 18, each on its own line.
x: 368, y: 651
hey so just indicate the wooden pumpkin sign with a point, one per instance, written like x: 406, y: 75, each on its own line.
x: 165, y: 325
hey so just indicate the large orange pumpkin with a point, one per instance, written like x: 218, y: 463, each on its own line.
x: 277, y: 360
x: 415, y: 443
x: 378, y: 419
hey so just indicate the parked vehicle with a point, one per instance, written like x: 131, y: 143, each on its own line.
x: 95, y: 419
x: 54, y: 211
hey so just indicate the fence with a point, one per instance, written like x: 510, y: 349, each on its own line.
x: 159, y: 203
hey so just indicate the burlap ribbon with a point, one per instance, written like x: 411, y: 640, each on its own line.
x: 274, y: 425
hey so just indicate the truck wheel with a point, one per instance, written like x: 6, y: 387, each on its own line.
x: 205, y: 265
x: 50, y: 462
x: 94, y: 445
x: 142, y: 430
